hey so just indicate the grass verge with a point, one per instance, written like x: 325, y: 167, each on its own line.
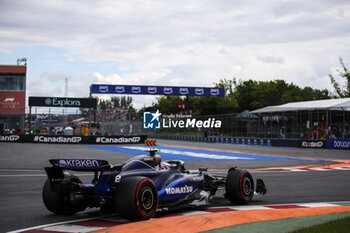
x: 337, y: 226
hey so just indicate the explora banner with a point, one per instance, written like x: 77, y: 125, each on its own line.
x: 65, y: 102
x: 157, y: 90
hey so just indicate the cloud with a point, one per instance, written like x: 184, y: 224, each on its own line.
x: 180, y: 43
x: 271, y: 59
x: 55, y: 76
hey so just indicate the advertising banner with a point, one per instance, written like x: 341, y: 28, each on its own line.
x: 46, y: 120
x: 338, y: 143
x: 57, y: 139
x: 12, y: 138
x: 285, y: 142
x: 245, y: 141
x: 116, y: 139
x: 157, y: 90
x: 252, y: 141
x: 12, y: 102
x: 65, y: 102
x: 316, y: 144
x: 76, y: 139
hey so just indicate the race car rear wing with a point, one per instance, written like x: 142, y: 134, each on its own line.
x: 81, y: 164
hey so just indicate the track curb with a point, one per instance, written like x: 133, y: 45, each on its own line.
x: 196, y: 220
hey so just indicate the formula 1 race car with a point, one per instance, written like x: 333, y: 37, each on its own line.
x: 141, y: 186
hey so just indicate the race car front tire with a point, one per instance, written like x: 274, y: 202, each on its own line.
x: 58, y: 203
x: 136, y: 198
x: 239, y: 186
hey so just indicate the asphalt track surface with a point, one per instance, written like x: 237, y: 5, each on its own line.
x: 22, y: 175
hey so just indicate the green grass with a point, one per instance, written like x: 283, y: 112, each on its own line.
x: 293, y: 225
x: 337, y: 226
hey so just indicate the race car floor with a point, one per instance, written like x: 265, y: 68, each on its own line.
x: 259, y: 218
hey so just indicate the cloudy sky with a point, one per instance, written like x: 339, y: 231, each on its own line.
x: 189, y: 43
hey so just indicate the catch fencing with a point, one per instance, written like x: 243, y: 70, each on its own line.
x: 340, y: 144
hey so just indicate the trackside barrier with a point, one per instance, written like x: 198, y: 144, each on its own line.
x: 316, y: 144
x: 343, y: 144
x: 231, y: 140
x: 285, y: 142
x: 63, y: 139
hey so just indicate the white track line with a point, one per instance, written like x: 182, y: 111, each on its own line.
x: 53, y: 224
x: 24, y: 175
x: 72, y: 228
x: 20, y: 170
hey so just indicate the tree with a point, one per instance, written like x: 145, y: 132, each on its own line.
x: 168, y: 104
x: 251, y: 94
x: 124, y: 104
x: 345, y: 74
x: 240, y: 95
x: 115, y: 102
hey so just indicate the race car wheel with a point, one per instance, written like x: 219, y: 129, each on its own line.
x: 239, y: 186
x: 136, y: 198
x: 59, y: 203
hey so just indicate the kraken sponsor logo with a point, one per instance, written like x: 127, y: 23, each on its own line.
x: 62, y: 163
x: 78, y: 163
x: 179, y: 190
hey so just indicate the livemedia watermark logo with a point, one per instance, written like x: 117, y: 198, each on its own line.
x: 153, y: 120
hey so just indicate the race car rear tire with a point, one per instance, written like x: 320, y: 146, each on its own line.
x: 239, y: 186
x: 58, y: 203
x: 136, y: 198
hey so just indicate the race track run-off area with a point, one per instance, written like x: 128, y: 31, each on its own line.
x: 301, y: 183
x: 187, y: 154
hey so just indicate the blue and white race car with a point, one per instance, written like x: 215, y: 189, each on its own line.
x: 141, y: 186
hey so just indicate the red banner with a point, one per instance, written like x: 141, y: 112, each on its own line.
x: 12, y: 102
